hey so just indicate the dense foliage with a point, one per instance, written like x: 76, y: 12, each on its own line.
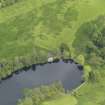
x: 8, y: 67
x: 91, y: 41
x: 38, y: 95
x: 5, y: 3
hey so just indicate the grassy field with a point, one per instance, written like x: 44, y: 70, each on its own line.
x: 21, y: 29
x: 67, y: 99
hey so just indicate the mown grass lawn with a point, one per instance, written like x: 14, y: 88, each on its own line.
x: 65, y: 100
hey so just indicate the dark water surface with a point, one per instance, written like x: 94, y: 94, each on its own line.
x: 11, y: 89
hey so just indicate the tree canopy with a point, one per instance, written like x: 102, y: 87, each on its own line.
x: 91, y: 41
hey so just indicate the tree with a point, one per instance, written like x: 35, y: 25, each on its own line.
x: 81, y: 59
x: 87, y: 68
x: 65, y: 50
x: 95, y: 76
x: 95, y: 60
x: 102, y: 52
x: 5, y: 3
x: 26, y: 101
x: 87, y: 71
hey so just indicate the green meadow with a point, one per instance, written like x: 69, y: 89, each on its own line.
x: 23, y: 25
x: 66, y: 99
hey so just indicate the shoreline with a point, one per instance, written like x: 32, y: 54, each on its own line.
x: 33, y: 66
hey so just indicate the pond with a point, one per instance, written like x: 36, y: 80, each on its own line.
x: 11, y: 89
